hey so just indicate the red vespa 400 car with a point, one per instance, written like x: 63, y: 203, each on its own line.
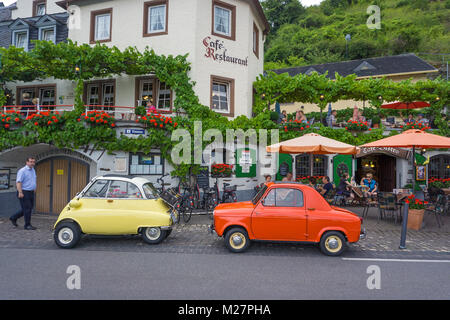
x: 287, y: 212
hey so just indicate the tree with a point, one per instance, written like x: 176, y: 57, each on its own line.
x: 279, y: 12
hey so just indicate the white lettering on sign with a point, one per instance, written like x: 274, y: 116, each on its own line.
x: 215, y: 50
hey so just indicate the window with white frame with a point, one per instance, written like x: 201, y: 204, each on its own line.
x: 20, y: 39
x: 40, y: 9
x: 47, y: 34
x: 47, y: 96
x: 164, y: 96
x: 222, y: 95
x: 155, y: 17
x: 100, y: 93
x: 101, y: 25
x: 146, y: 92
x: 224, y: 20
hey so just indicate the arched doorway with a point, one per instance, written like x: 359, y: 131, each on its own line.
x: 59, y: 180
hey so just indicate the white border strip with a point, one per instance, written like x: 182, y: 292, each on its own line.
x: 396, y: 260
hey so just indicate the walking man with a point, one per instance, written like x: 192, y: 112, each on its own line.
x: 26, y: 186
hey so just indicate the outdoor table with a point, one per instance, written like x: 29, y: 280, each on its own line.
x: 402, y: 195
x: 446, y: 191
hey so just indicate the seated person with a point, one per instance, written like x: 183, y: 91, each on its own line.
x: 311, y: 182
x: 371, y: 184
x: 288, y: 177
x: 327, y: 187
x: 409, y: 120
x: 421, y: 119
x: 344, y: 188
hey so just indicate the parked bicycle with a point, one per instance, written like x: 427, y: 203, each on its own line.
x: 228, y: 194
x: 204, y: 198
x: 186, y: 204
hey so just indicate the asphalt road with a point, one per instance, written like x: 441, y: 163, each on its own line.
x: 87, y: 274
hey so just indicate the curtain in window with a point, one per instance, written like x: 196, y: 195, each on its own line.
x: 222, y: 20
x: 220, y: 96
x: 102, y: 27
x: 21, y: 40
x: 157, y: 18
x: 48, y: 35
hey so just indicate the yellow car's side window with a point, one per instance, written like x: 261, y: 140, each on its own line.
x: 97, y: 190
x: 123, y: 190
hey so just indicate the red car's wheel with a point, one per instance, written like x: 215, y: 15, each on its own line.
x: 237, y: 240
x: 333, y: 243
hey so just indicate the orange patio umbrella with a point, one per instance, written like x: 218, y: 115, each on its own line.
x: 312, y: 143
x: 411, y: 139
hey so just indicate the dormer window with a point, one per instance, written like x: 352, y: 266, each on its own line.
x: 47, y: 34
x: 364, y: 66
x: 224, y: 20
x: 20, y: 39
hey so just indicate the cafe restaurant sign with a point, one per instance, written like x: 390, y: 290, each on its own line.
x: 394, y: 152
x: 216, y: 50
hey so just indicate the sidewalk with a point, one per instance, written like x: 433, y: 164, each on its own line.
x: 383, y: 237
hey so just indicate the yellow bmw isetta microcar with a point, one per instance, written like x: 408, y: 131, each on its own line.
x: 115, y: 205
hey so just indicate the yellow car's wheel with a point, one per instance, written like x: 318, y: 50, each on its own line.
x: 153, y: 235
x: 237, y: 240
x: 333, y: 243
x: 67, y: 234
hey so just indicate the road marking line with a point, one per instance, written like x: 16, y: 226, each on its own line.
x: 395, y: 260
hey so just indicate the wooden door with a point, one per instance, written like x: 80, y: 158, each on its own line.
x: 78, y: 177
x: 60, y: 184
x: 43, y: 186
x: 387, y: 173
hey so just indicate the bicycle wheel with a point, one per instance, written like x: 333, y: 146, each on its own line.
x: 187, y: 213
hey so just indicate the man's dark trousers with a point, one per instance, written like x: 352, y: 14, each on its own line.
x: 26, y: 203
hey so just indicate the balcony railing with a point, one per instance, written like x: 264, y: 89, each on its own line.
x: 117, y: 112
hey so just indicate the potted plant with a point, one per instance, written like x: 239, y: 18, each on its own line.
x: 140, y: 111
x: 415, y: 212
x: 376, y: 121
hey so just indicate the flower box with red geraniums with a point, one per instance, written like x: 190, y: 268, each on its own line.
x: 46, y: 119
x: 415, y: 203
x: 221, y: 170
x: 157, y: 121
x: 9, y: 119
x: 306, y: 179
x: 415, y: 125
x: 357, y: 126
x: 97, y: 117
x: 294, y: 125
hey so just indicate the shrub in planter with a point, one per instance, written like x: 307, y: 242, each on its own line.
x: 140, y: 111
x: 274, y: 116
x: 376, y: 121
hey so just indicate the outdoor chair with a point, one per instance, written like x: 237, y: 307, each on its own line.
x: 438, y: 208
x: 387, y: 203
x: 331, y: 196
